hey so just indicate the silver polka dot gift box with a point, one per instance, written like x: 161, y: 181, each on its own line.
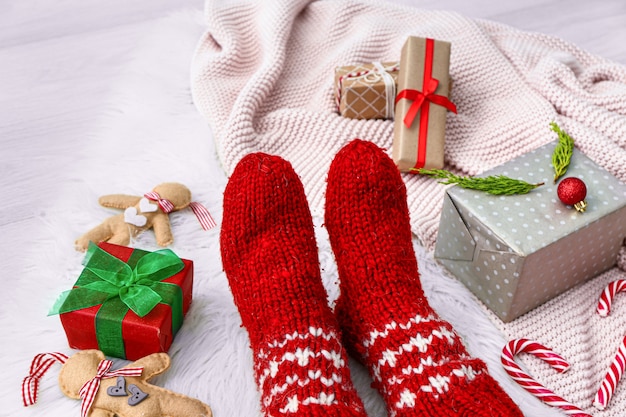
x: 517, y: 252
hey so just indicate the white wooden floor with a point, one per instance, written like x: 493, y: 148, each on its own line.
x: 49, y: 48
x: 598, y: 26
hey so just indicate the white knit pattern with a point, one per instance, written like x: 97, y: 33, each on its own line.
x: 263, y: 77
x: 383, y: 333
x: 392, y: 354
x: 436, y: 386
x: 278, y: 354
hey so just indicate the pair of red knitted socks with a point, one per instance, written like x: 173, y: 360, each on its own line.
x: 417, y: 361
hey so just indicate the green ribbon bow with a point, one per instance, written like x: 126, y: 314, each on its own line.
x: 120, y: 286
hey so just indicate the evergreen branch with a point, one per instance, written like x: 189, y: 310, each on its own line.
x: 562, y: 152
x: 493, y: 184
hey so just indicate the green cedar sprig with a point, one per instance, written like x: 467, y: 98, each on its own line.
x: 562, y: 152
x: 493, y: 184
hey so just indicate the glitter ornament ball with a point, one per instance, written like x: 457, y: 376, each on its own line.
x: 572, y: 191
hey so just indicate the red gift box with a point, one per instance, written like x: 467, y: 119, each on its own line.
x: 139, y: 336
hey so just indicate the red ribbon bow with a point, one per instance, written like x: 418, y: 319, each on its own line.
x: 89, y: 390
x: 202, y: 214
x: 43, y: 361
x: 420, y: 98
x: 165, y: 204
x: 38, y: 367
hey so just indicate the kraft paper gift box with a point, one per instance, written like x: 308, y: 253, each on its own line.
x: 96, y: 313
x: 422, y: 104
x: 366, y: 91
x: 517, y: 252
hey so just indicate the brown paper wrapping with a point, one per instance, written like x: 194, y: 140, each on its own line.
x: 406, y: 140
x: 362, y: 93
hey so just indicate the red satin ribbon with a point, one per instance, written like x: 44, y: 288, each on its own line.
x: 419, y: 100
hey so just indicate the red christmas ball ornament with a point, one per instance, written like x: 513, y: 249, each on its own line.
x: 572, y: 191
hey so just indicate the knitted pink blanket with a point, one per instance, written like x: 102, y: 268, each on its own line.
x: 263, y: 77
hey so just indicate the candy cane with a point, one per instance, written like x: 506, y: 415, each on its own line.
x: 606, y: 298
x: 528, y: 383
x: 613, y: 375
x: 616, y: 370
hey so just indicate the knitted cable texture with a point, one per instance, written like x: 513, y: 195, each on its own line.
x: 417, y: 361
x: 270, y: 258
x: 263, y: 77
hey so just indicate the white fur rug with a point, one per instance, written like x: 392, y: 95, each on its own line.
x: 152, y: 133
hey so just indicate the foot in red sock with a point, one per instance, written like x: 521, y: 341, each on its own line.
x: 417, y: 361
x: 271, y: 261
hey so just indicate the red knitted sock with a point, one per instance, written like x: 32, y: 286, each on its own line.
x: 417, y: 361
x: 270, y: 257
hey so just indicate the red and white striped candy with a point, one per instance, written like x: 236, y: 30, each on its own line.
x: 606, y: 298
x: 555, y: 360
x: 615, y: 372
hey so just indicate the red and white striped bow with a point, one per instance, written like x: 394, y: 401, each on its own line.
x: 38, y: 367
x: 90, y: 388
x: 165, y: 204
x: 202, y: 214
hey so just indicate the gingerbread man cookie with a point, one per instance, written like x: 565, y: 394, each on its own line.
x: 142, y: 213
x: 124, y: 392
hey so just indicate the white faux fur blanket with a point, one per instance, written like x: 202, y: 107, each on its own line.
x: 263, y: 77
